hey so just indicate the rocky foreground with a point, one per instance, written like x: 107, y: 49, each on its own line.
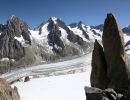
x: 8, y: 93
x: 110, y: 76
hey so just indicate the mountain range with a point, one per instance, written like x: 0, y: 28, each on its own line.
x: 52, y: 40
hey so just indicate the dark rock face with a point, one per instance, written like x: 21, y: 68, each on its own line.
x: 2, y: 27
x: 99, y: 77
x: 8, y: 93
x: 54, y: 38
x: 18, y: 27
x: 71, y: 36
x: 94, y: 32
x: 9, y: 46
x: 117, y: 65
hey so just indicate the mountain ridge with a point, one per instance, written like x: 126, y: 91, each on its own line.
x: 52, y: 40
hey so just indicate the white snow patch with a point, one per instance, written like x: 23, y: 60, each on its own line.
x: 64, y: 35
x: 4, y: 59
x: 89, y: 31
x: 13, y: 60
x: 35, y: 34
x: 45, y: 32
x: 78, y: 32
x: 42, y: 38
x: 92, y: 36
x: 20, y: 39
x: 54, y: 19
x: 126, y: 38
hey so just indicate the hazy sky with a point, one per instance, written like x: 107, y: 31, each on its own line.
x: 91, y: 12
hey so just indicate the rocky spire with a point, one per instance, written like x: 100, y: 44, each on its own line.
x: 110, y: 64
x: 113, y: 43
x: 99, y: 77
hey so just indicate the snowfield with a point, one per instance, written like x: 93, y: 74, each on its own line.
x: 63, y: 87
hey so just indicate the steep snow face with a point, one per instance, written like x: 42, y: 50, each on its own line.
x: 97, y: 35
x: 43, y: 35
x: 35, y: 34
x: 92, y: 33
x: 41, y: 39
x: 44, y: 31
x: 78, y: 32
x: 64, y: 36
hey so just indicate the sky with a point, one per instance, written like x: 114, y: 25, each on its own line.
x: 91, y: 12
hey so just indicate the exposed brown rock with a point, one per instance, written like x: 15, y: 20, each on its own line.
x: 117, y: 66
x: 8, y: 93
x: 99, y: 77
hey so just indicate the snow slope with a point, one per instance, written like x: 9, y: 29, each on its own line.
x: 63, y: 87
x: 89, y: 32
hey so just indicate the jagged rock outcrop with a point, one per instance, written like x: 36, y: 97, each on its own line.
x: 14, y: 41
x: 19, y: 28
x: 9, y: 46
x: 110, y: 63
x: 116, y: 58
x: 80, y: 26
x: 8, y: 93
x: 54, y: 39
x: 99, y: 77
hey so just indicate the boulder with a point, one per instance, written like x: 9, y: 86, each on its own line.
x: 118, y: 70
x: 8, y: 93
x: 26, y: 79
x: 99, y: 77
x: 98, y: 94
x: 93, y: 93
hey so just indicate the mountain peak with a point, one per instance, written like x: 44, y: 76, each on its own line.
x: 54, y: 18
x: 13, y: 17
x: 80, y: 22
